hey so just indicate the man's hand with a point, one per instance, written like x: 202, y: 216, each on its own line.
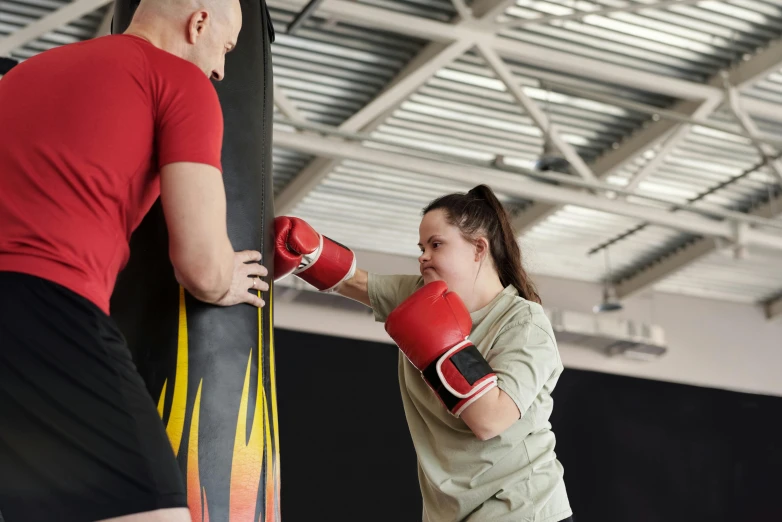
x: 245, y: 282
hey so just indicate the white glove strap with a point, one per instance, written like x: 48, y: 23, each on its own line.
x: 492, y: 384
x: 440, y: 362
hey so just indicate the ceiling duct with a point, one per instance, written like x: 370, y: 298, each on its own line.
x: 609, y: 335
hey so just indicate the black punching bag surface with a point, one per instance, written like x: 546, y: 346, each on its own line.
x: 211, y: 369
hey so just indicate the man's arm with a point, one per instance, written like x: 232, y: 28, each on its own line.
x: 193, y: 198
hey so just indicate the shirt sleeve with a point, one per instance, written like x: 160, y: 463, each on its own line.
x: 386, y: 292
x: 525, y: 357
x: 189, y: 123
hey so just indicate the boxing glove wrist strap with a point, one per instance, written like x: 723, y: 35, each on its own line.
x: 467, y: 376
x: 332, y: 269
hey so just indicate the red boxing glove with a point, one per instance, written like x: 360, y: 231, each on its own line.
x: 431, y: 328
x: 318, y: 260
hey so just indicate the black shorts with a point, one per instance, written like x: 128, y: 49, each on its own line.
x: 80, y: 437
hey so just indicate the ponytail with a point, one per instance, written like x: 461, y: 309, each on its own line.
x: 479, y: 212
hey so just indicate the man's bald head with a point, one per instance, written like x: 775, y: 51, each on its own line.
x: 200, y: 31
x: 181, y: 9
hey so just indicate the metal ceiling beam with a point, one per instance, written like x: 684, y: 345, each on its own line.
x: 550, y: 131
x: 285, y: 105
x: 739, y: 218
x: 542, y: 57
x: 578, y: 15
x: 672, y: 262
x: 674, y: 138
x: 766, y: 61
x: 406, y: 83
x: 676, y: 114
x: 672, y: 132
x: 765, y: 150
x: 427, y: 62
x: 770, y: 209
x: 460, y: 37
x: 430, y: 60
x: 517, y: 186
x: 62, y: 16
x: 435, y: 56
x: 761, y: 64
x: 464, y: 12
x: 643, y: 139
x: 488, y: 10
x: 666, y: 266
x: 614, y: 159
x: 530, y: 54
x: 521, y: 52
x: 563, y: 62
x: 104, y: 28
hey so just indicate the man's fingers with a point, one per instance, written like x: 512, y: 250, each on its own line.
x: 257, y: 284
x: 253, y: 299
x: 254, y: 269
x: 249, y: 256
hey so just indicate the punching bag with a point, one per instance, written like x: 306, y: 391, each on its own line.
x: 211, y: 369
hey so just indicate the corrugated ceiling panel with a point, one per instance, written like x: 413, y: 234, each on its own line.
x: 692, y: 40
x: 376, y: 208
x: 721, y: 276
x: 16, y: 14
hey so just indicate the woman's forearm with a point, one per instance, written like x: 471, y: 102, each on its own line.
x: 356, y: 287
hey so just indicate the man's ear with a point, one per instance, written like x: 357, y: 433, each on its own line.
x: 196, y: 25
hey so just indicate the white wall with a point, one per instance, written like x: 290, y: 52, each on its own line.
x: 710, y: 343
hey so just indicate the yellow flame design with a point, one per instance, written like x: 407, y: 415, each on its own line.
x: 196, y: 496
x: 248, y: 455
x: 269, y: 467
x: 162, y: 399
x: 176, y: 418
x: 273, y: 382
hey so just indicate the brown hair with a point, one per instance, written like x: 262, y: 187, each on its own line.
x: 479, y: 212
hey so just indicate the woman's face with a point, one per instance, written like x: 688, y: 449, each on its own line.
x: 446, y: 255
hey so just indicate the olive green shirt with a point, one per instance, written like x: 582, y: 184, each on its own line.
x: 514, y: 476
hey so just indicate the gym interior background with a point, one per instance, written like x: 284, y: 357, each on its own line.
x: 636, y: 144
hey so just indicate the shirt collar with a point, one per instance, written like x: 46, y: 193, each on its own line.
x: 478, y: 315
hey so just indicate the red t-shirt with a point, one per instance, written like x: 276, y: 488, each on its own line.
x: 84, y: 131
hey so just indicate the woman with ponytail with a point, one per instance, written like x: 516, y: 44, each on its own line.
x: 478, y: 359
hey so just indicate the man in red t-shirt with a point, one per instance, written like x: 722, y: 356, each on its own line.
x: 91, y: 134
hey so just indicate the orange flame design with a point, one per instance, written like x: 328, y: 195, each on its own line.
x: 196, y: 495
